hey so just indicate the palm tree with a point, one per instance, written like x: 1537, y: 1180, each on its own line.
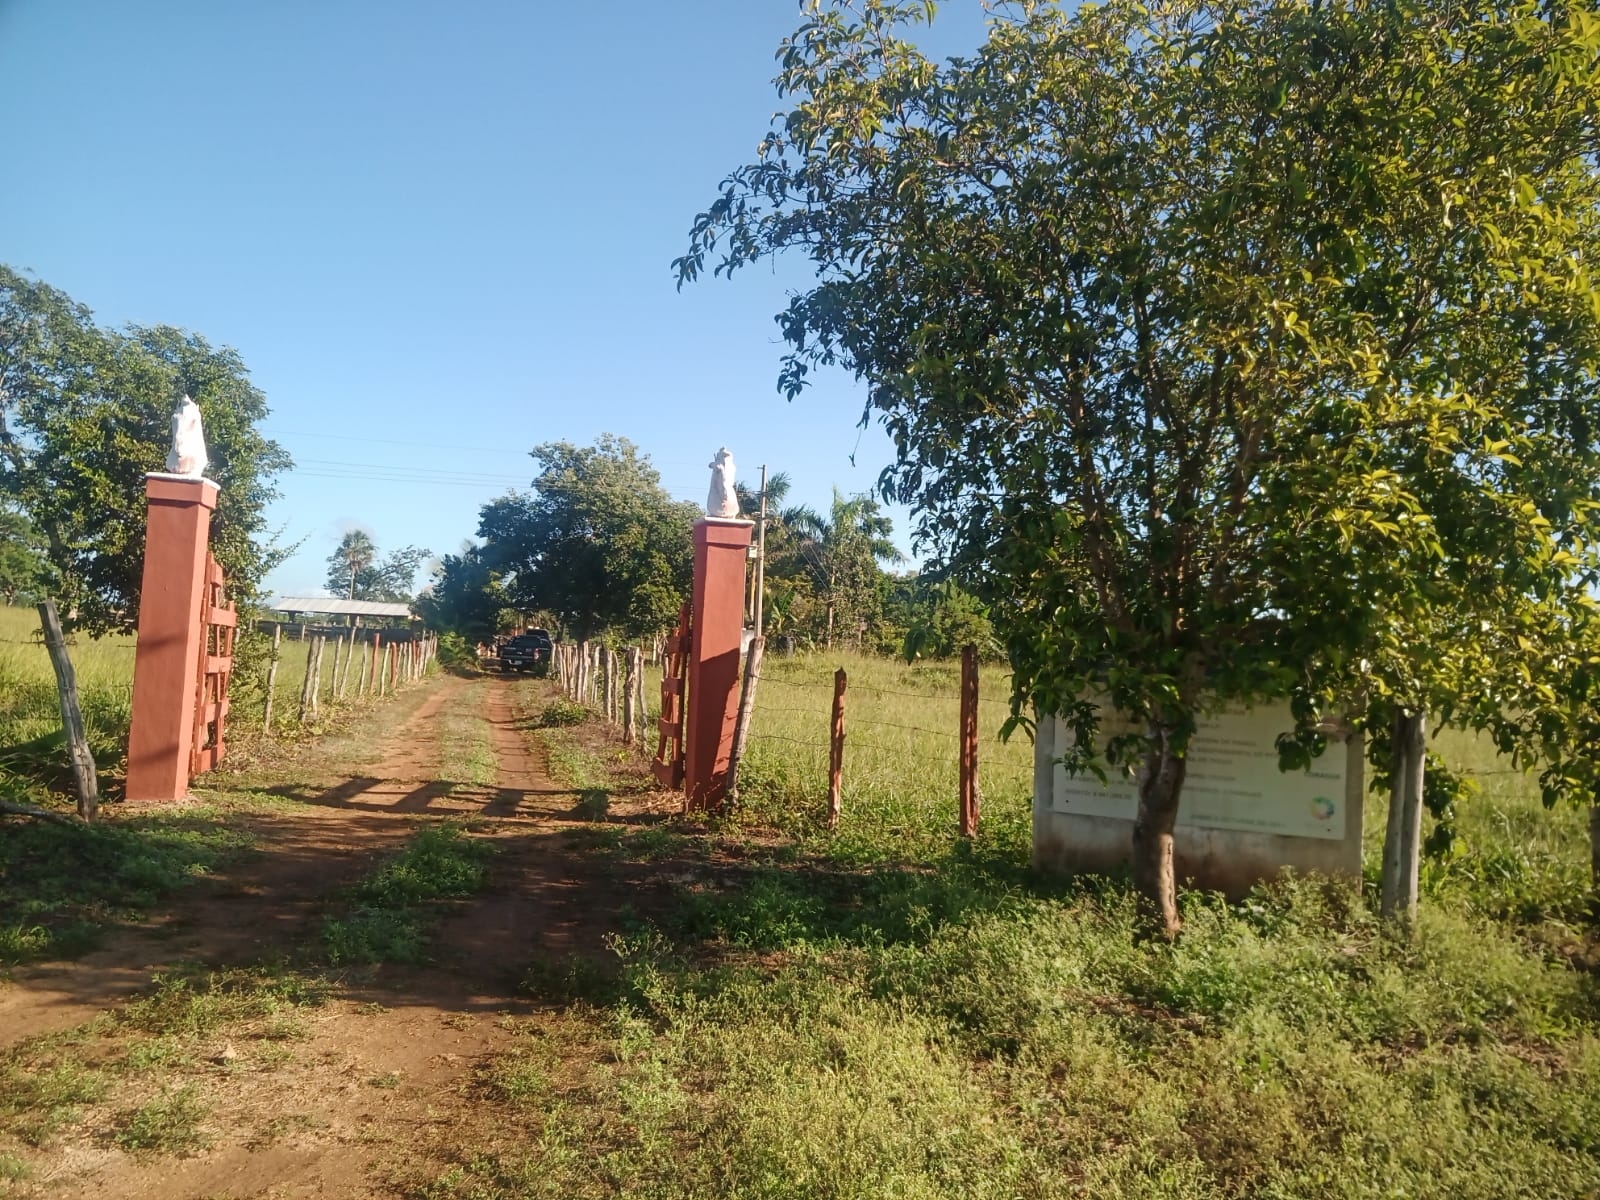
x: 842, y: 552
x: 356, y: 554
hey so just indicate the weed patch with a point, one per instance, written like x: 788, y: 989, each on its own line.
x: 169, y: 1124
x: 59, y: 884
x: 561, y: 712
x: 37, y: 1099
x: 392, y: 910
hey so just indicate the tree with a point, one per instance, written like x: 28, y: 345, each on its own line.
x: 351, y: 563
x: 1244, y: 349
x: 841, y: 553
x: 598, y: 543
x: 24, y: 569
x: 939, y: 618
x: 465, y: 597
x: 355, y: 569
x: 85, y: 413
x: 805, y: 551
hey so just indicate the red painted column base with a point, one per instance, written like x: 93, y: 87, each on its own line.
x: 166, y: 662
x: 721, y: 556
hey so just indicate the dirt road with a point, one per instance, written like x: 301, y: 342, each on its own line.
x: 378, y: 1081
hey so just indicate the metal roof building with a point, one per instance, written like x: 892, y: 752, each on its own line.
x: 339, y: 606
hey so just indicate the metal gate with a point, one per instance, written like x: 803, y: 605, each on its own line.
x: 219, y: 623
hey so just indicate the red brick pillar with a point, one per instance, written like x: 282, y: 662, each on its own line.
x: 166, y: 662
x: 721, y: 553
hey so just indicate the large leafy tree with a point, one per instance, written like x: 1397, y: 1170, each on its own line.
x: 1242, y: 348
x: 465, y: 596
x: 24, y: 569
x: 85, y: 413
x: 597, y: 543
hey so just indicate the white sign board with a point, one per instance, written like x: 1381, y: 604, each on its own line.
x: 1232, y: 782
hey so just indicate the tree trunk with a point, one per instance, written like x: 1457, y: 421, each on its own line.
x: 1402, y: 843
x: 1594, y: 860
x: 1160, y: 789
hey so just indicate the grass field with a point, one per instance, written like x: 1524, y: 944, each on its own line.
x: 889, y: 1011
x: 30, y: 714
x: 1513, y: 858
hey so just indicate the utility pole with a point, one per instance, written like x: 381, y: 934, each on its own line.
x: 761, y: 552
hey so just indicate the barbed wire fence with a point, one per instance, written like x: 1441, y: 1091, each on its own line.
x: 834, y: 734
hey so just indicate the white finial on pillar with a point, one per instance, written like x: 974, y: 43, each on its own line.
x: 188, y: 454
x: 723, y: 501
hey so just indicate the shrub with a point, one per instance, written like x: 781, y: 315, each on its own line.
x: 563, y: 712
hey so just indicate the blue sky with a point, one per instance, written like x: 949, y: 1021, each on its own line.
x: 437, y: 233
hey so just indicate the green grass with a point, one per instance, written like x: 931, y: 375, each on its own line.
x: 891, y: 1011
x: 39, y: 1098
x: 183, y: 1007
x: 32, y: 754
x: 901, y: 756
x: 31, y: 748
x: 168, y: 1124
x: 61, y: 884
x: 1513, y: 858
x: 467, y: 747
x: 50, y: 1083
x: 391, y: 913
x: 587, y: 773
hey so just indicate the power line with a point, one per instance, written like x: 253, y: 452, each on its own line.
x: 317, y: 468
x: 347, y: 437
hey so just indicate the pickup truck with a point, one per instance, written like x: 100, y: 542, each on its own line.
x: 526, y: 652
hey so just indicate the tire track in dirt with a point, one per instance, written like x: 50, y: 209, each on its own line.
x: 383, y: 1086
x: 545, y: 901
x: 264, y: 903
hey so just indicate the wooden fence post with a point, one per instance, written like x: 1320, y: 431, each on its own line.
x: 836, y: 751
x: 272, y: 675
x: 305, y: 684
x: 344, y: 686
x: 85, y: 779
x: 630, y: 712
x: 641, y: 705
x: 970, y: 797
x: 394, y: 668
x: 341, y: 664
x: 1402, y: 842
x: 741, y: 726
x: 317, y: 645
x: 613, y: 687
